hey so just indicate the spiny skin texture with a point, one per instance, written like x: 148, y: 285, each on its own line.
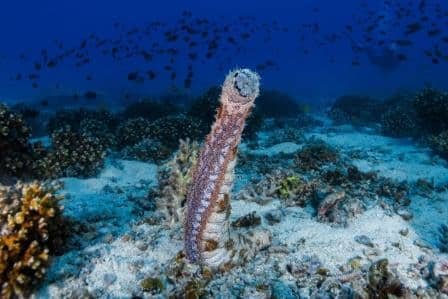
x: 208, y: 201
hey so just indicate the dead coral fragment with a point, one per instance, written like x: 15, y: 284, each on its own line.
x: 315, y: 155
x: 30, y: 231
x: 287, y: 186
x: 383, y: 283
x: 251, y: 219
x: 153, y: 285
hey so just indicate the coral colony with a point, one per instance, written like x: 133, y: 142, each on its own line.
x: 207, y: 239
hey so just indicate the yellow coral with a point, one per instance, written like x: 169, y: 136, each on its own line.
x: 30, y: 222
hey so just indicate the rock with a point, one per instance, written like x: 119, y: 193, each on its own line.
x: 141, y: 245
x: 109, y: 278
x: 404, y: 232
x: 405, y: 214
x: 273, y: 217
x: 364, y: 240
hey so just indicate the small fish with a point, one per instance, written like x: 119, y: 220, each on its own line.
x: 132, y: 76
x: 434, y: 32
x: 151, y: 75
x: 52, y: 63
x: 37, y: 66
x: 90, y: 95
x: 404, y: 42
x: 402, y: 57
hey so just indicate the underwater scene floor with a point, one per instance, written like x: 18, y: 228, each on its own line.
x: 377, y: 233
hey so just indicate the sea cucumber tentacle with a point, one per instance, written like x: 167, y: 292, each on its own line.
x: 207, y: 237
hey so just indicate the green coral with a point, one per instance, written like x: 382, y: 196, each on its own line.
x: 153, y: 285
x: 287, y: 186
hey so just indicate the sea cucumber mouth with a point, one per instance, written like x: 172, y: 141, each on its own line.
x: 246, y: 83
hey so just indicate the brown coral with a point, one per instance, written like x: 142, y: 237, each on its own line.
x: 15, y: 150
x: 72, y: 154
x: 30, y: 231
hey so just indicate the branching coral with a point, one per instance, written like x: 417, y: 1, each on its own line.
x: 174, y: 178
x: 15, y: 151
x: 75, y: 118
x: 31, y: 229
x: 208, y: 198
x: 72, y: 154
x: 133, y: 131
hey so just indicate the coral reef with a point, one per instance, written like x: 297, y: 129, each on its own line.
x: 399, y: 121
x: 170, y: 129
x: 133, y: 131
x: 31, y: 229
x: 204, y: 107
x: 16, y: 152
x: 431, y: 107
x: 147, y: 150
x: 174, y: 178
x: 314, y: 155
x: 354, y: 109
x: 75, y: 118
x: 208, y: 198
x: 72, y: 154
x: 32, y: 116
x: 440, y: 143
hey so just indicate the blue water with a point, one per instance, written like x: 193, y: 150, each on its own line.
x: 317, y: 57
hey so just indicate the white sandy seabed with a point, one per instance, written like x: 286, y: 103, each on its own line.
x: 121, y: 252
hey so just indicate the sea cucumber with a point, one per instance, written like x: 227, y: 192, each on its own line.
x: 207, y: 235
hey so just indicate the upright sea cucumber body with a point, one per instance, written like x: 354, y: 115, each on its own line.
x: 207, y: 237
